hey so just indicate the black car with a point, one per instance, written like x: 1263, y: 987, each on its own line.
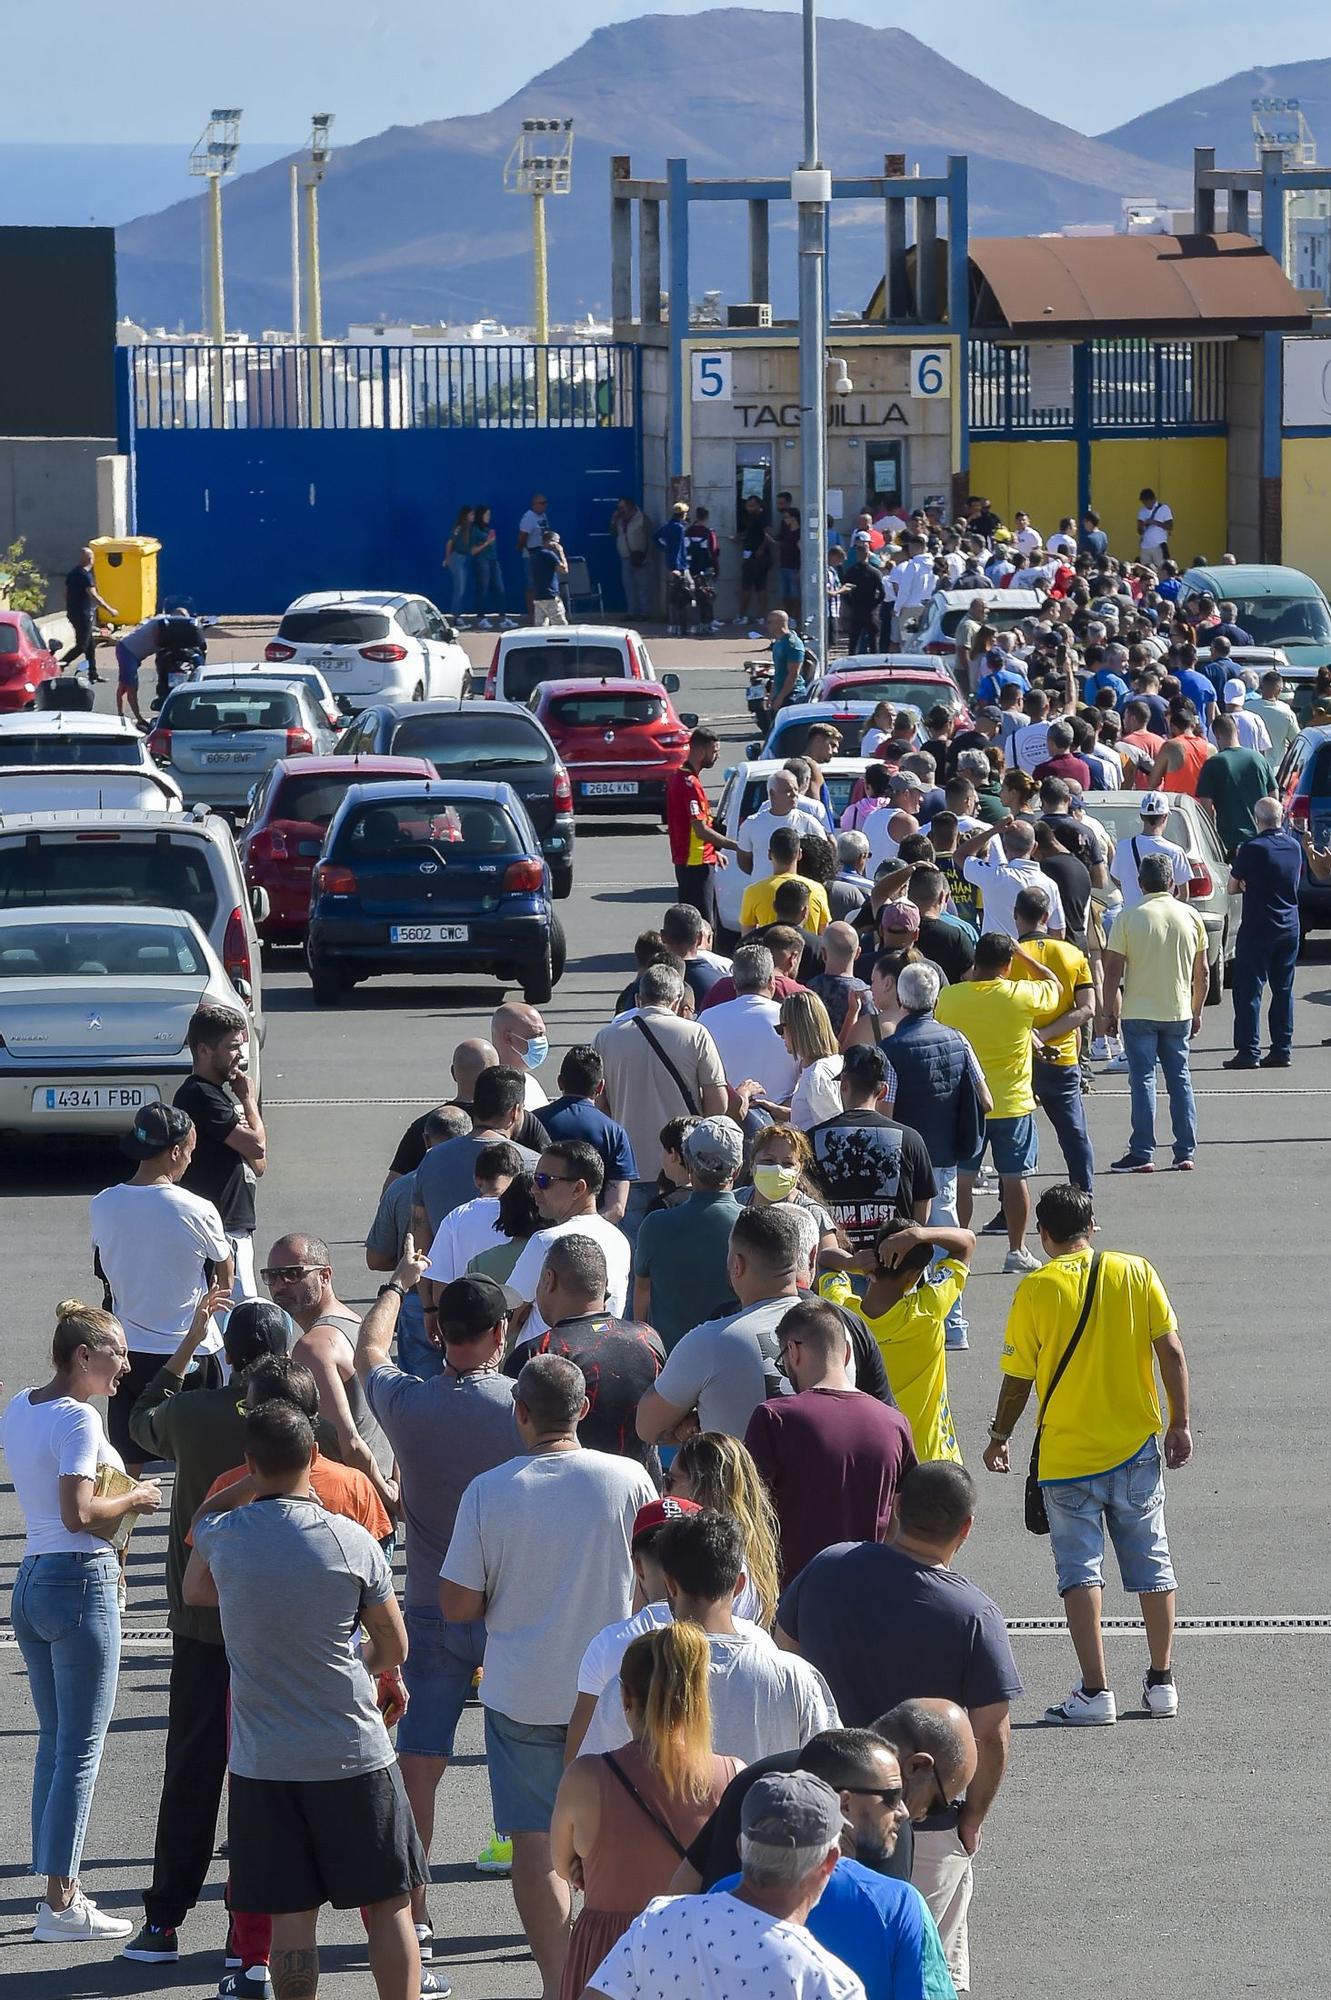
x: 495, y: 741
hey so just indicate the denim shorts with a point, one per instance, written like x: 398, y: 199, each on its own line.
x: 1013, y: 1145
x: 1130, y: 1502
x: 526, y: 1761
x: 439, y: 1668
x: 127, y: 667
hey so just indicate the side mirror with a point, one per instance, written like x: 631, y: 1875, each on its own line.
x: 688, y: 717
x: 670, y: 682
x: 260, y: 904
x: 53, y: 647
x: 754, y: 749
x: 245, y: 991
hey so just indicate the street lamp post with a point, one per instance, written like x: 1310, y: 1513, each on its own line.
x: 811, y: 190
x: 212, y: 160
x: 541, y: 163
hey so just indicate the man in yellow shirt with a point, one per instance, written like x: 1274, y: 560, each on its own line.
x: 1157, y: 954
x: 905, y: 1306
x: 1099, y: 1463
x: 1005, y: 995
x: 1056, y: 1066
x: 758, y: 906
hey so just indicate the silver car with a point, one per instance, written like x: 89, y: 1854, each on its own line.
x: 218, y: 738
x: 94, y: 1008
x: 1119, y: 813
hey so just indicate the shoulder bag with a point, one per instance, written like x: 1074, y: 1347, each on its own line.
x: 1037, y: 1518
x: 660, y: 1053
x: 608, y: 1758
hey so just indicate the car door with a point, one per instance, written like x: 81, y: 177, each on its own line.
x: 411, y: 630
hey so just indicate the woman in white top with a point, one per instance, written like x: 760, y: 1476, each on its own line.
x: 877, y: 730
x: 65, y: 1614
x: 806, y: 1030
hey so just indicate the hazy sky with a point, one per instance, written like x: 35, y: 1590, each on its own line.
x: 382, y: 62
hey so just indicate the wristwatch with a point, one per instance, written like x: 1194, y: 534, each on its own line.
x: 998, y: 1437
x: 392, y: 1286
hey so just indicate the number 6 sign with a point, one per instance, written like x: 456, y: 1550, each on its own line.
x: 930, y: 372
x: 711, y: 376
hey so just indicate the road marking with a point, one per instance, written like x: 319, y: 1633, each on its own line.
x: 361, y: 1103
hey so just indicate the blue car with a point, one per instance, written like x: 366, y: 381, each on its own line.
x: 1305, y: 793
x: 433, y: 876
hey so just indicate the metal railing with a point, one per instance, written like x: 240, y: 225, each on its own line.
x: 189, y: 385
x: 1133, y: 385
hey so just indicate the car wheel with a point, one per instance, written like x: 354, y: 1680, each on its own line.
x: 418, y: 692
x: 328, y: 982
x: 538, y: 981
x: 1215, y: 984
x: 558, y: 950
x: 468, y: 688
x: 561, y: 881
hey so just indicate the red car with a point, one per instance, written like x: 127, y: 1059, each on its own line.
x: 289, y: 815
x: 620, y: 740
x: 25, y: 661
x: 918, y: 687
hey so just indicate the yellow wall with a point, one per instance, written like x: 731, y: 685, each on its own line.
x: 1188, y: 473
x: 1038, y: 476
x: 1305, y: 495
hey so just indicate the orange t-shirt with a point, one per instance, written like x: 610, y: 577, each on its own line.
x: 341, y: 1489
x: 1195, y: 751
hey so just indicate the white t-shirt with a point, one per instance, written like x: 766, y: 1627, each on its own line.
x: 1028, y: 746
x: 533, y: 1097
x: 599, y: 1672
x: 744, y: 1030
x: 533, y: 526
x: 912, y: 583
x: 152, y: 1243
x: 45, y: 1443
x: 817, y: 1095
x: 1123, y: 867
x: 762, y: 1700
x: 1002, y: 881
x: 463, y: 1234
x: 757, y: 830
x: 724, y: 1947
x: 1027, y: 539
x: 883, y: 843
x: 1153, y: 526
x: 1253, y: 732
x: 1061, y: 544
x: 526, y: 1273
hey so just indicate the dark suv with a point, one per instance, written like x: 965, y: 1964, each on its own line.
x: 495, y: 741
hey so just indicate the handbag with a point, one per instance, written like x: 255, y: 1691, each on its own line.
x: 1037, y: 1517
x: 658, y: 1051
x: 608, y: 1758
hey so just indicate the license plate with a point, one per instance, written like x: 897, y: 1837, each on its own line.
x: 228, y: 756
x: 607, y: 788
x: 95, y: 1097
x: 428, y: 933
x: 333, y: 663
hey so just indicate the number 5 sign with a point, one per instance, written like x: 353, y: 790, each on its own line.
x: 711, y: 376
x: 930, y: 372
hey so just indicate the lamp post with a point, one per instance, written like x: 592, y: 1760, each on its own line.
x: 212, y: 160
x: 811, y: 190
x: 541, y: 163
x: 321, y: 146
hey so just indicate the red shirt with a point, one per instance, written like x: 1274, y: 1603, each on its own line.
x: 1066, y: 766
x: 688, y: 816
x: 724, y: 989
x: 832, y: 1460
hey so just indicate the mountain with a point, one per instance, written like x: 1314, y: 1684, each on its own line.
x: 53, y: 183
x: 1221, y: 116
x: 414, y: 223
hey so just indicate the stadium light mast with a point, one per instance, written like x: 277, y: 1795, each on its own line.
x: 541, y: 163
x: 811, y: 190
x: 212, y: 160
x: 312, y: 172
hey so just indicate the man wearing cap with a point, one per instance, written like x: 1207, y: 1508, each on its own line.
x: 1253, y: 733
x: 682, y: 1254
x: 752, y: 1937
x: 1266, y: 873
x: 158, y: 1248
x: 1130, y: 853
x: 872, y: 1169
x: 910, y: 584
x: 888, y: 827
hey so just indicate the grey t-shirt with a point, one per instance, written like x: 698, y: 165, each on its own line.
x: 546, y: 1537
x: 392, y: 1220
x: 726, y: 1367
x: 446, y: 1176
x: 292, y: 1581
x: 445, y: 1432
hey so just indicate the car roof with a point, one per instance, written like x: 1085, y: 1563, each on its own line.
x: 129, y: 819
x: 372, y: 762
x: 82, y: 913
x: 367, y: 600
x: 559, y: 635
x: 67, y: 722
x: 823, y: 711
x: 929, y: 669
x: 995, y: 600
x: 1252, y: 580
x: 599, y: 684
x: 453, y: 705
x: 276, y: 670
x: 1319, y: 733
x: 441, y: 791
x: 1125, y: 798
x: 835, y: 767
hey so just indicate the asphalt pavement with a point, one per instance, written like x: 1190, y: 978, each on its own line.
x: 1179, y: 1857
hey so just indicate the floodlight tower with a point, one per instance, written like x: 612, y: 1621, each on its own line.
x: 212, y: 160
x: 541, y: 163
x: 312, y: 173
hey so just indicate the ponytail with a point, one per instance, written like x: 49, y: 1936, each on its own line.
x: 665, y: 1675
x: 76, y: 1326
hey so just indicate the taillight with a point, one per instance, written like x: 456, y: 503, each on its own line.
x: 492, y: 674
x: 940, y: 646
x: 276, y: 650
x: 270, y: 844
x: 385, y: 654
x: 1201, y: 886
x: 159, y: 745
x: 299, y: 743
x: 635, y: 663
x: 673, y: 739
x: 1300, y: 812
x: 330, y: 880
x: 563, y: 791
x: 236, y: 950
x: 523, y: 878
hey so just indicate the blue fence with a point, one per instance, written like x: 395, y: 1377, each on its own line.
x: 266, y: 471
x: 1137, y: 386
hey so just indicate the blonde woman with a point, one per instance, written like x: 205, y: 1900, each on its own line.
x: 623, y: 1820
x: 878, y: 729
x: 806, y: 1029
x: 717, y: 1472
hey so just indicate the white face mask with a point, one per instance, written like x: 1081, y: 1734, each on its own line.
x: 536, y: 1051
x: 774, y: 1182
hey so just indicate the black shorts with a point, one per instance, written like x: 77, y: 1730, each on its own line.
x: 345, y: 1841
x: 144, y: 1368
x: 753, y: 572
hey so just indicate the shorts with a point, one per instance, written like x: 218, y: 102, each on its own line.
x: 439, y: 1668
x: 548, y: 611
x: 1130, y: 1502
x: 790, y: 582
x: 1013, y: 1145
x: 345, y: 1841
x: 753, y: 572
x: 526, y: 1761
x: 127, y: 667
x: 143, y: 1369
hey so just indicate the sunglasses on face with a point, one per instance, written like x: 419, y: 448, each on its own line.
x: 548, y: 1180
x: 890, y: 1795
x: 285, y: 1274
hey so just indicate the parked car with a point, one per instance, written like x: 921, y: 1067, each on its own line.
x: 921, y: 688
x: 1188, y: 826
x: 1305, y: 793
x: 790, y: 729
x: 290, y: 811
x: 94, y: 1008
x: 219, y: 738
x: 933, y: 629
x: 745, y: 793
x: 60, y: 760
x: 1276, y: 606
x: 620, y: 740
x: 121, y: 859
x: 530, y: 654
x: 373, y: 645
x: 26, y: 660
x: 493, y: 740
x: 333, y: 713
x: 433, y: 876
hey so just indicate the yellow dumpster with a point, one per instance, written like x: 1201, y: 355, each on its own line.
x: 124, y: 569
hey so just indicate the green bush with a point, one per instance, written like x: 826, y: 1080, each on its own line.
x: 24, y: 582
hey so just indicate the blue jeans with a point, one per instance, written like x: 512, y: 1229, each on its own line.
x: 416, y: 1352
x: 1058, y: 1092
x: 639, y: 581
x: 1145, y: 1043
x: 489, y: 586
x: 1257, y: 963
x: 1129, y: 1501
x: 459, y: 570
x: 943, y: 1215
x: 68, y: 1628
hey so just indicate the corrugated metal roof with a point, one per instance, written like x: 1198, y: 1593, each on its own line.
x: 1046, y: 286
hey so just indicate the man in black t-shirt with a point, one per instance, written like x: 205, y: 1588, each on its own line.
x: 1070, y: 876
x: 231, y: 1148
x: 82, y: 604
x: 871, y: 1169
x: 469, y: 1059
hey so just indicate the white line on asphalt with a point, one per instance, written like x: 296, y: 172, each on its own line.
x: 359, y: 1103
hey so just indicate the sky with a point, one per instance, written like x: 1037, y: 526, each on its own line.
x: 375, y: 63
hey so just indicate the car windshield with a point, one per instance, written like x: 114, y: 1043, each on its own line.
x: 106, y: 868
x: 225, y: 708
x: 790, y: 736
x: 1002, y: 620
x: 1317, y: 781
x: 478, y: 738
x: 920, y: 695
x: 35, y: 752
x: 336, y: 625
x: 525, y: 667
x: 840, y: 785
x: 98, y: 951
x: 470, y: 827
x: 1278, y: 621
x: 605, y: 711
x: 313, y: 800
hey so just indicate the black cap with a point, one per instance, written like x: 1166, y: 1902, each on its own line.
x: 156, y: 1128
x: 866, y: 1062
x: 473, y: 1305
x: 254, y: 1328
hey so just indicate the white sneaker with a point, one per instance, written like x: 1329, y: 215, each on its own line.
x: 754, y: 633
x: 81, y: 1923
x: 1100, y: 1050
x: 1085, y: 1711
x: 1161, y: 1702
x: 715, y: 625
x: 1116, y: 1066
x: 1021, y: 1260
